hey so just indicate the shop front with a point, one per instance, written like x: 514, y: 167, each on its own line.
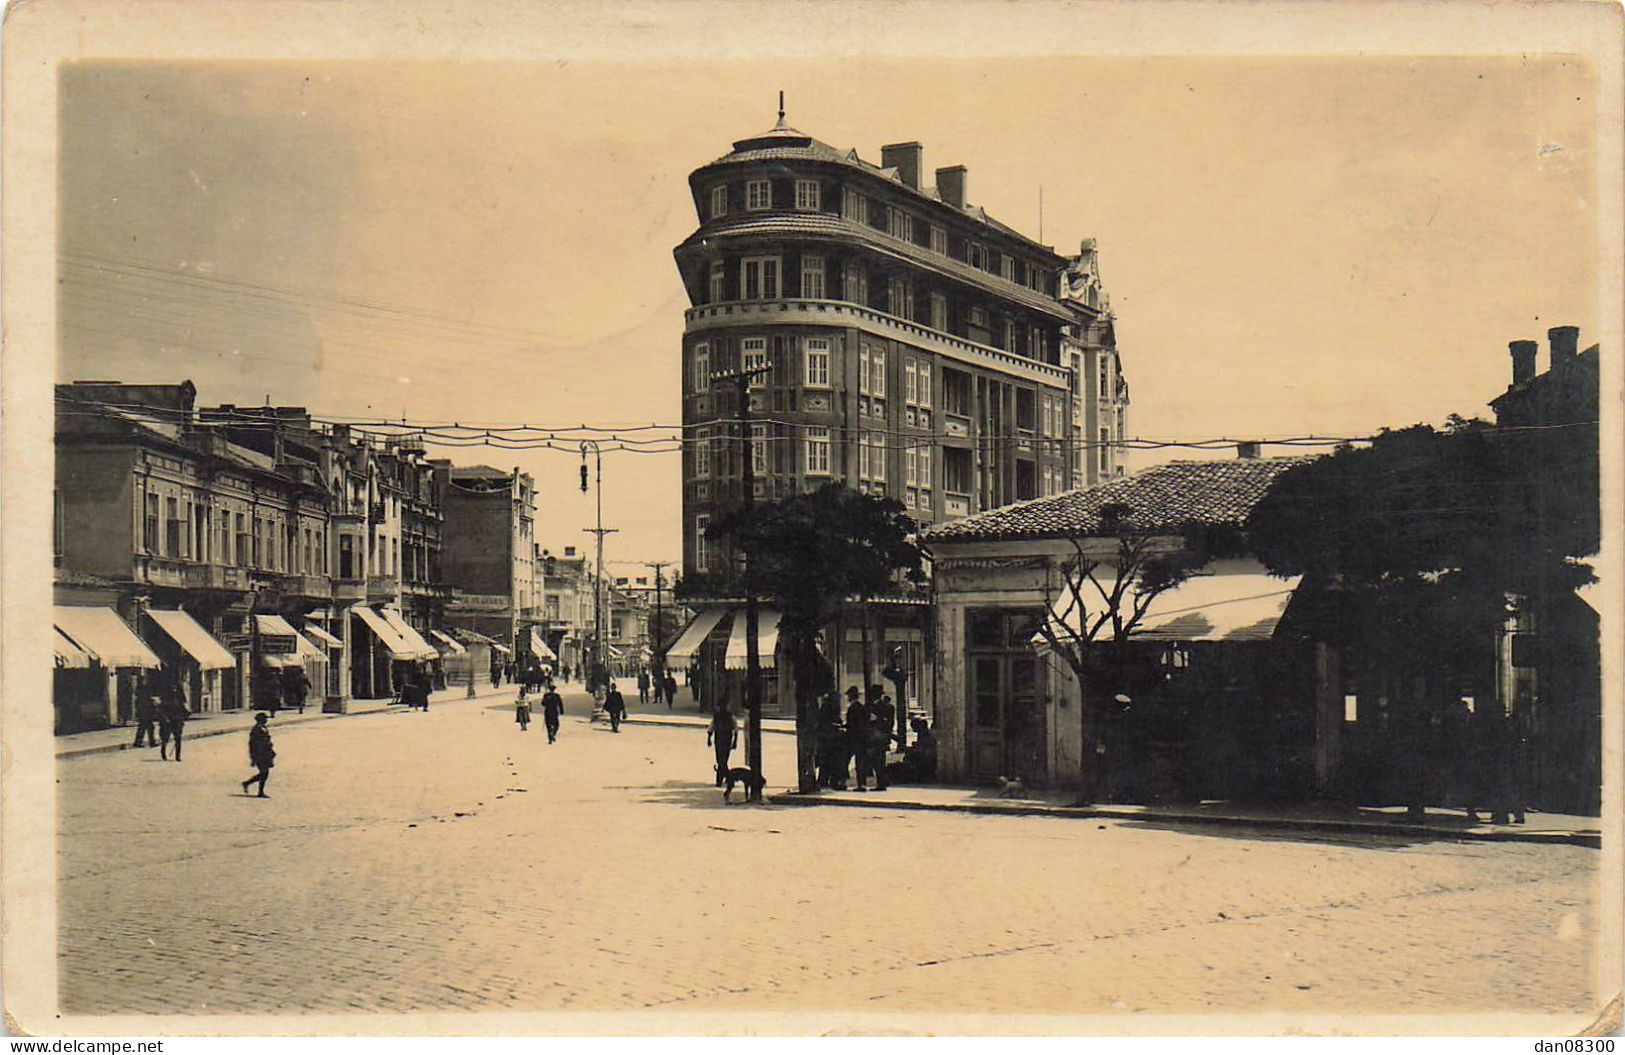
x: 192, y: 656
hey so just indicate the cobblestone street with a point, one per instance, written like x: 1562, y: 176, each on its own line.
x: 444, y: 860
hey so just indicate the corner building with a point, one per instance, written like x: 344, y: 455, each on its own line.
x: 918, y: 347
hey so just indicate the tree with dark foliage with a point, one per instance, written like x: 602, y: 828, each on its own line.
x: 1428, y: 541
x: 810, y: 553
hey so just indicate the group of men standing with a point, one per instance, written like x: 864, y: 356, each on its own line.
x: 860, y: 744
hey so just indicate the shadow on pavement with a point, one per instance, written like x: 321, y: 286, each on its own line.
x: 694, y: 795
x: 1362, y: 838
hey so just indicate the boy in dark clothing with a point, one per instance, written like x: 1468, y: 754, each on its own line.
x: 552, y: 707
x: 261, y: 755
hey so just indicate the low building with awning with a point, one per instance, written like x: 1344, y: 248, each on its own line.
x: 100, y: 665
x: 864, y: 638
x: 1218, y: 689
x: 192, y: 654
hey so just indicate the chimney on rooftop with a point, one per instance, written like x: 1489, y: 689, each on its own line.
x: 951, y: 185
x: 1523, y: 360
x: 1565, y: 341
x: 1248, y: 450
x: 905, y: 158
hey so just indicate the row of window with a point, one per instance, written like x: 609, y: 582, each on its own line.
x: 760, y: 278
x: 193, y: 532
x: 816, y: 459
x: 816, y: 370
x: 899, y: 223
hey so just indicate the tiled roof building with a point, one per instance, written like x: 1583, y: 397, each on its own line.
x: 1171, y: 496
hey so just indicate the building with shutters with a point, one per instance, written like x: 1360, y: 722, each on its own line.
x: 917, y: 348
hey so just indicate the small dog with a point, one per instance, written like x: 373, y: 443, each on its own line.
x: 1012, y: 788
x: 753, y: 785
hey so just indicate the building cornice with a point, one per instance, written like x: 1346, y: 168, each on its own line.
x: 829, y: 228
x: 843, y: 314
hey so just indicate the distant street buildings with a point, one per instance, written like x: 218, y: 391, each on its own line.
x: 227, y: 554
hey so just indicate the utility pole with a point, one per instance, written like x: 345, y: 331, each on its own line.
x: 657, y: 654
x: 753, y: 659
x: 598, y: 581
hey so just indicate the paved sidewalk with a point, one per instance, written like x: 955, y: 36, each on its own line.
x: 224, y: 723
x: 1322, y: 817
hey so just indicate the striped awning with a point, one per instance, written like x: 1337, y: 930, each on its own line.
x: 195, y: 641
x: 322, y: 637
x: 69, y: 656
x: 102, y: 634
x: 409, y: 634
x: 538, y: 647
x: 767, y: 640
x: 682, y: 653
x: 387, y: 635
x: 448, y: 643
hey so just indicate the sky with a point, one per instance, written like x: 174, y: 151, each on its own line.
x: 1322, y: 245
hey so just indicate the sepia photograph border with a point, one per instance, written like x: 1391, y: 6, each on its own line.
x: 39, y: 35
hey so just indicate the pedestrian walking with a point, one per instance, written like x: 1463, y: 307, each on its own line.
x: 858, y: 722
x: 521, y: 713
x: 615, y: 707
x: 295, y: 688
x: 146, y: 717
x: 261, y: 755
x: 552, y: 707
x: 643, y: 687
x: 670, y: 684
x: 496, y: 674
x: 723, y: 736
x: 172, y: 718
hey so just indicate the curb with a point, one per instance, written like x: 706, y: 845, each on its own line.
x: 672, y: 723
x: 1587, y: 838
x: 282, y: 720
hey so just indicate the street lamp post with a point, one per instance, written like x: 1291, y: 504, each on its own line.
x: 598, y: 668
x: 753, y: 659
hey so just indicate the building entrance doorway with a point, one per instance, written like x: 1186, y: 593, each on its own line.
x: 1006, y: 735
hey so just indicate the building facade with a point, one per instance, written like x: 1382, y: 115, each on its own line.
x: 914, y: 347
x: 239, y: 543
x: 490, y: 552
x: 1098, y: 410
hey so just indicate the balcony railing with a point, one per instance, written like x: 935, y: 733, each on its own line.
x: 843, y: 313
